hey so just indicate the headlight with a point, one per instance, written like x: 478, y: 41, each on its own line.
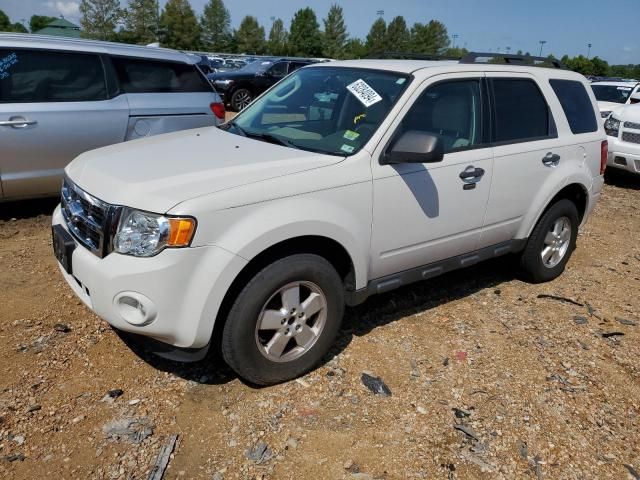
x: 144, y: 234
x: 605, y: 114
x: 612, y: 126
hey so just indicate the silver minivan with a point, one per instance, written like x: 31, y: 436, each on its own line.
x: 61, y: 97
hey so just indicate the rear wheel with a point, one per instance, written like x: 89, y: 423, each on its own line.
x: 240, y: 99
x: 284, y: 320
x: 551, y: 243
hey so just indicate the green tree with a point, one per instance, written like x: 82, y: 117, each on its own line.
x: 277, y: 44
x: 38, y: 22
x: 216, y: 26
x: 99, y: 18
x: 305, y: 38
x: 19, y: 28
x: 600, y: 67
x: 179, y: 26
x: 354, y: 48
x: 5, y: 23
x: 398, y: 37
x: 250, y: 36
x: 335, y: 32
x: 377, y: 36
x: 430, y: 38
x: 140, y: 22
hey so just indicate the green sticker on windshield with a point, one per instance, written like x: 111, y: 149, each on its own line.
x: 351, y: 135
x: 347, y: 148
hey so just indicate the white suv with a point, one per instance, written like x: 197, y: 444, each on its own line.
x: 623, y: 135
x: 344, y: 180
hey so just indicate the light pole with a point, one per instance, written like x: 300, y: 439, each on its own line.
x: 455, y: 37
x: 542, y: 42
x: 588, y: 51
x: 380, y: 13
x: 508, y: 50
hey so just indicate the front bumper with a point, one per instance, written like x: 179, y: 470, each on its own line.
x: 623, y: 155
x: 185, y: 287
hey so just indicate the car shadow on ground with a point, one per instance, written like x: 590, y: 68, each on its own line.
x: 28, y: 208
x: 377, y: 311
x: 622, y: 179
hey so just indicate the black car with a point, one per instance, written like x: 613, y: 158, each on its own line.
x: 239, y: 87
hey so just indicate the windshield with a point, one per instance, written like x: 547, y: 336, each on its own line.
x: 611, y: 93
x: 253, y: 67
x: 333, y: 110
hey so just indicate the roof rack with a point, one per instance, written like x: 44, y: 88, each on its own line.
x: 509, y: 59
x: 409, y: 56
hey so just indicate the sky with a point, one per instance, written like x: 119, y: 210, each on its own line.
x: 568, y: 26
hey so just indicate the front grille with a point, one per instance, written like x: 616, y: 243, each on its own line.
x: 635, y: 126
x: 86, y: 216
x: 631, y: 137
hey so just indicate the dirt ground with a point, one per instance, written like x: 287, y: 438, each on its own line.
x: 488, y: 378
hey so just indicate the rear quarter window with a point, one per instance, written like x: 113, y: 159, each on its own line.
x: 576, y: 105
x: 153, y: 76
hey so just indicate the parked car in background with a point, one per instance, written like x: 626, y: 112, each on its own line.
x: 623, y: 133
x: 613, y: 95
x: 344, y: 180
x: 238, y: 88
x: 60, y: 97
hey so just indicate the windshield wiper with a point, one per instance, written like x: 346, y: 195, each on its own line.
x: 268, y: 137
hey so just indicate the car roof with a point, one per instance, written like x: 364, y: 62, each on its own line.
x: 21, y: 40
x: 616, y: 84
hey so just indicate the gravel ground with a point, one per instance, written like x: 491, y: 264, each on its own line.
x: 488, y: 377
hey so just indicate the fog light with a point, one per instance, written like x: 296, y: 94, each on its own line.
x: 135, y: 308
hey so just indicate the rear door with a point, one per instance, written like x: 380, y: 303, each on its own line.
x: 164, y: 96
x: 53, y: 106
x: 527, y: 151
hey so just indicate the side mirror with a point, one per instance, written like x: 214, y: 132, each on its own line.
x: 415, y: 146
x: 635, y: 98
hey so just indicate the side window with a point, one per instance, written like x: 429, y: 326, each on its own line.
x: 576, y: 105
x: 293, y: 66
x: 521, y: 112
x: 279, y: 69
x: 452, y: 110
x: 155, y: 76
x: 30, y: 76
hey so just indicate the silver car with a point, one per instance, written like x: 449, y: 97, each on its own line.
x: 61, y: 97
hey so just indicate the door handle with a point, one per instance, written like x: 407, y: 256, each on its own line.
x: 551, y: 159
x: 17, y: 123
x: 471, y: 172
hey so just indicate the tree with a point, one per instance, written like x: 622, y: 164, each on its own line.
x: 277, y: 44
x: 19, y: 28
x: 179, y: 26
x: 398, y: 36
x: 335, y: 32
x: 250, y: 36
x: 600, y: 68
x: 99, y: 18
x: 354, y: 48
x: 430, y: 38
x: 216, y: 26
x: 7, y: 26
x: 376, y: 39
x: 38, y: 22
x: 305, y: 38
x: 141, y: 22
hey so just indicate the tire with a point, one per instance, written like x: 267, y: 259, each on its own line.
x: 240, y: 98
x: 268, y: 337
x: 551, y: 239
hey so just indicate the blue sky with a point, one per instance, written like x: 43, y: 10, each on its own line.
x: 482, y: 25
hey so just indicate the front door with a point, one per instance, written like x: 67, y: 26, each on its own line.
x: 423, y: 213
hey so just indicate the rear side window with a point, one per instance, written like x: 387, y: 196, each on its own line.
x: 153, y: 76
x: 576, y: 105
x: 30, y: 76
x: 521, y: 112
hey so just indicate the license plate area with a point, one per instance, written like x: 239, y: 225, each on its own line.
x: 63, y: 247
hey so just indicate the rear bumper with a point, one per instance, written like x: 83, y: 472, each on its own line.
x: 624, y: 155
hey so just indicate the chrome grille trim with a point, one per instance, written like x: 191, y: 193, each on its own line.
x: 86, y: 217
x: 635, y: 126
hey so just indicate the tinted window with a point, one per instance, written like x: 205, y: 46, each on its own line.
x: 153, y: 76
x: 576, y: 105
x: 612, y: 93
x: 521, y: 112
x: 451, y: 110
x: 293, y: 66
x: 28, y: 76
x: 279, y: 69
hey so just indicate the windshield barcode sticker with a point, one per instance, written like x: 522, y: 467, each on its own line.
x: 363, y: 92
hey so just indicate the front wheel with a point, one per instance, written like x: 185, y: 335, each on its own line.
x: 551, y: 243
x: 240, y: 99
x: 284, y: 320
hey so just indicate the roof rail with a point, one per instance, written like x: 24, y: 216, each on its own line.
x: 409, y: 56
x: 509, y: 59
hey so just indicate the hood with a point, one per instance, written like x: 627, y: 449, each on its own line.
x: 629, y: 113
x: 157, y: 173
x: 610, y: 106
